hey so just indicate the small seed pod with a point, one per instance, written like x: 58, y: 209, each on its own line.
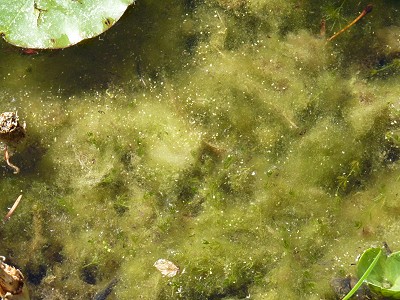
x: 12, y: 285
x: 11, y: 130
x: 11, y: 133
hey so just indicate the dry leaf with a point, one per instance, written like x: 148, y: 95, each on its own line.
x: 166, y: 267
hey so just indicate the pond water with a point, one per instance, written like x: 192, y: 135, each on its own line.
x: 227, y: 137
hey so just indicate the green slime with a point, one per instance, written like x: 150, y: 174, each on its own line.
x: 225, y: 136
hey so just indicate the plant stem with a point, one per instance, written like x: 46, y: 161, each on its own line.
x: 363, y: 13
x: 363, y: 277
x: 11, y: 211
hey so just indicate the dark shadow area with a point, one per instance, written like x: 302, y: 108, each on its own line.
x: 29, y: 158
x: 35, y: 273
x: 146, y: 40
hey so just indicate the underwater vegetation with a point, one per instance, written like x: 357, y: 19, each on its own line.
x: 378, y: 273
x: 227, y: 137
x: 384, y: 272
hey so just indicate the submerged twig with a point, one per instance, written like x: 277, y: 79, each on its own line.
x: 322, y: 28
x: 212, y: 149
x: 366, y: 10
x: 12, y: 209
x: 102, y: 295
x: 7, y: 158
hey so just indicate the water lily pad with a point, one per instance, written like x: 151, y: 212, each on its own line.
x: 44, y: 24
x: 384, y: 279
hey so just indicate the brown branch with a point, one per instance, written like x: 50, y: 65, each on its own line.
x: 366, y: 10
x: 7, y: 158
x: 11, y: 211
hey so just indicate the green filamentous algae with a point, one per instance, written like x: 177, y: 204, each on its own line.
x: 227, y: 138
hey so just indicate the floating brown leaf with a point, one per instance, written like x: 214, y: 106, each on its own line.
x: 166, y: 267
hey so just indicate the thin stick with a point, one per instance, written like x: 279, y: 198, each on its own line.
x: 11, y: 211
x: 322, y: 28
x: 7, y: 158
x: 363, y: 13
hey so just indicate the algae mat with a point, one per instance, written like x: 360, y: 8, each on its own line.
x: 227, y: 137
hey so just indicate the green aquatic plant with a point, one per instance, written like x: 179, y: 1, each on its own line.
x: 383, y: 272
x: 344, y: 179
x: 389, y: 68
x: 334, y: 15
x: 49, y: 24
x: 365, y: 275
x: 230, y: 177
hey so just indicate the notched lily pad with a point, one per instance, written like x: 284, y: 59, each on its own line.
x: 384, y: 279
x: 49, y: 24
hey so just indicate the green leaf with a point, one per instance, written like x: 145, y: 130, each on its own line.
x: 44, y: 24
x: 384, y: 279
x: 364, y: 276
